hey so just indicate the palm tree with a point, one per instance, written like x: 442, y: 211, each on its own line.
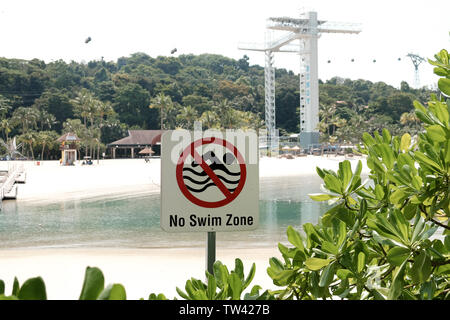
x: 161, y: 101
x: 5, y: 106
x: 29, y: 138
x: 45, y: 138
x: 83, y: 105
x: 228, y: 117
x: 209, y: 119
x: 26, y: 117
x: 45, y: 119
x: 326, y: 112
x: 187, y: 116
x: 6, y: 126
x: 103, y: 109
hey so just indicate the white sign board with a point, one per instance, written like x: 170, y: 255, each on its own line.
x: 209, y: 181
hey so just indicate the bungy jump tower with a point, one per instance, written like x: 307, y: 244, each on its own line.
x: 306, y: 31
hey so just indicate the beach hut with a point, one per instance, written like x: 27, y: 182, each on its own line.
x: 68, y: 147
x: 137, y: 139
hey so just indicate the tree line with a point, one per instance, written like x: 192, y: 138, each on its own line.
x: 100, y: 100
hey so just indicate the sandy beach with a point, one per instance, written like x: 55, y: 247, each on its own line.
x: 49, y: 181
x: 141, y: 271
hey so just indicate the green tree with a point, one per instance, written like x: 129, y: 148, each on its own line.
x: 29, y: 137
x: 5, y: 106
x: 45, y: 139
x: 6, y: 125
x: 186, y: 117
x: 164, y: 103
x: 26, y: 117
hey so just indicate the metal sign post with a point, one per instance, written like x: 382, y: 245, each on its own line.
x: 210, y: 251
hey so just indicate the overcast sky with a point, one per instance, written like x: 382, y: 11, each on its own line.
x: 56, y: 29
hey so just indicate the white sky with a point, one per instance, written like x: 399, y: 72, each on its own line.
x: 47, y: 30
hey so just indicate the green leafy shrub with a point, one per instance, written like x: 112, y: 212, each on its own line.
x: 386, y: 238
x: 93, y: 288
x: 223, y: 285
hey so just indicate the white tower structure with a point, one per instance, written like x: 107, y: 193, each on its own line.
x: 306, y: 30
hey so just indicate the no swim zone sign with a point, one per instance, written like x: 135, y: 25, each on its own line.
x: 209, y: 181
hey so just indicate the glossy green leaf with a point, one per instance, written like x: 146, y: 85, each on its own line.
x: 387, y: 155
x: 321, y: 196
x: 282, y: 277
x: 379, y: 192
x: 329, y: 247
x: 316, y: 263
x: 419, y: 106
x: 160, y: 296
x: 239, y: 268
x: 446, y: 244
x: 421, y: 268
x: 436, y: 133
x: 182, y: 294
x: 33, y: 289
x: 368, y: 139
x: 398, y: 196
x: 361, y: 261
x: 345, y: 173
x: 410, y: 210
x: 424, y: 117
x: 211, y: 288
x: 327, y: 275
x: 16, y: 287
x: 397, y: 282
x: 398, y: 255
x: 2, y: 287
x: 405, y: 142
x: 235, y: 285
x: 93, y: 285
x: 421, y: 157
x: 113, y: 292
x: 344, y: 274
x: 250, y: 276
x: 295, y: 238
x: 444, y: 85
x: 332, y: 183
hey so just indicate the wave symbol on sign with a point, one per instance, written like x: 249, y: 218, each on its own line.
x: 195, y: 180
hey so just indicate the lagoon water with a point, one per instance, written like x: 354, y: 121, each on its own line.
x: 133, y: 221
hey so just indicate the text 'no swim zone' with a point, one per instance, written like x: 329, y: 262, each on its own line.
x: 209, y: 181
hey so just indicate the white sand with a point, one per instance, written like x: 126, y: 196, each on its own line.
x: 142, y: 271
x: 51, y: 182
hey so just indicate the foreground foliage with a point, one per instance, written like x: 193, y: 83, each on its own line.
x: 387, y: 237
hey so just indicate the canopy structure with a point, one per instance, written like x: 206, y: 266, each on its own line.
x: 146, y: 150
x: 69, y: 136
x: 137, y: 139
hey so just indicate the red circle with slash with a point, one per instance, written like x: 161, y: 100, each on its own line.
x: 229, y: 196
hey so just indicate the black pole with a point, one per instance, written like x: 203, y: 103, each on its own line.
x: 210, y: 251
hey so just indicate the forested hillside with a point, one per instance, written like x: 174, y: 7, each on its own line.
x: 100, y: 100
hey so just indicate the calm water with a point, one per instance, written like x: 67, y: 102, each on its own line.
x: 134, y: 221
